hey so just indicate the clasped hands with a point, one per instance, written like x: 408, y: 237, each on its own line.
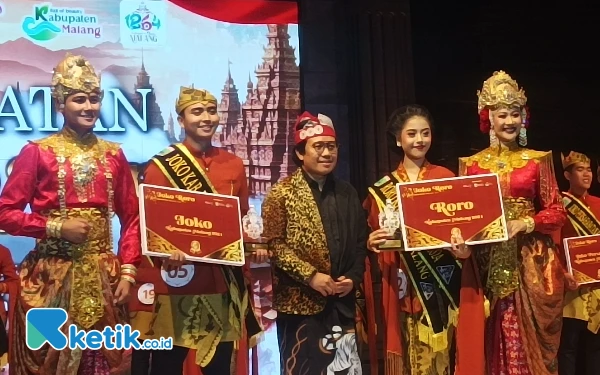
x: 325, y: 285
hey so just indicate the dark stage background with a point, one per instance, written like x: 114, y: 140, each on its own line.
x: 363, y: 59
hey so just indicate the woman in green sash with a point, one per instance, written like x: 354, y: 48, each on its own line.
x: 418, y: 324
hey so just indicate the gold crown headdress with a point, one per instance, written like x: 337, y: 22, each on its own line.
x: 572, y: 158
x: 74, y: 74
x: 189, y: 96
x: 500, y: 90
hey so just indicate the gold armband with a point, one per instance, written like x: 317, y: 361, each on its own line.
x: 54, y: 227
x: 530, y: 224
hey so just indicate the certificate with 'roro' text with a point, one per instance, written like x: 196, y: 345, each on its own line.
x: 433, y: 212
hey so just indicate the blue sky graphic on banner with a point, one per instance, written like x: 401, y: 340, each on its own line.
x: 145, y: 52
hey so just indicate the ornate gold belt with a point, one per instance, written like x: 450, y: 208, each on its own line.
x: 503, y: 277
x: 87, y: 302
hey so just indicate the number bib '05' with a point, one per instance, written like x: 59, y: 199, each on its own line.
x: 179, y: 277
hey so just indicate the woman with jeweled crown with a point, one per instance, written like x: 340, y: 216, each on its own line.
x: 519, y: 282
x: 74, y: 183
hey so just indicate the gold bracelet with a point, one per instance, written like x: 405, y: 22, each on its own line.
x: 58, y: 231
x: 53, y: 227
x: 125, y: 273
x: 129, y: 268
x: 530, y: 224
x: 49, y: 227
x: 128, y: 278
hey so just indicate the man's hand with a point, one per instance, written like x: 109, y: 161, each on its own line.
x: 377, y: 238
x: 323, y: 284
x: 572, y: 284
x: 260, y: 256
x: 515, y: 226
x: 344, y: 286
x: 122, y: 293
x: 75, y: 230
x: 175, y: 261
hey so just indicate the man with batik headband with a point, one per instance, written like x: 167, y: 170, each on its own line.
x: 212, y: 320
x: 581, y: 317
x: 317, y: 230
x: 74, y: 183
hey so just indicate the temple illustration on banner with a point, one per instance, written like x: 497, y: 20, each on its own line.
x: 260, y: 129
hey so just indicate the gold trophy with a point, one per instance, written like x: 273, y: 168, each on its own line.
x: 252, y: 224
x: 389, y: 219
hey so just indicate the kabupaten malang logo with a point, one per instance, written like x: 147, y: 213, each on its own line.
x: 48, y: 22
x: 38, y: 27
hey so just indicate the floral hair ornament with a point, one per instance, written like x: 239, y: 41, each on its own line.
x: 308, y: 126
x: 501, y: 91
x: 72, y: 75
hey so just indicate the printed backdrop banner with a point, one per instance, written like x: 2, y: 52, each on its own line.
x: 244, y: 52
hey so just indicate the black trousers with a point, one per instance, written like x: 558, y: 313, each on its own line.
x: 579, y: 352
x: 171, y: 361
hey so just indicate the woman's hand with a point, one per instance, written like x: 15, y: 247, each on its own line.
x: 514, y: 227
x: 459, y: 249
x: 377, y: 238
x: 570, y: 282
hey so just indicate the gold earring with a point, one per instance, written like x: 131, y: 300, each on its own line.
x: 493, y: 138
x: 523, y: 137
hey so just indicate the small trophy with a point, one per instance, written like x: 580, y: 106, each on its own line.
x: 252, y: 224
x: 389, y: 219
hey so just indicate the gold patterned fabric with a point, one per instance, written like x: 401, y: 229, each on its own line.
x: 77, y: 278
x: 74, y: 74
x: 573, y: 158
x: 293, y: 227
x: 189, y: 96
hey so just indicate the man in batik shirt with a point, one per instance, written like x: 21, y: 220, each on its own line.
x: 317, y: 232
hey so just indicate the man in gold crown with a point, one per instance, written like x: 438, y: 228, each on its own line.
x: 581, y: 316
x: 209, y: 315
x: 74, y: 183
x: 522, y: 277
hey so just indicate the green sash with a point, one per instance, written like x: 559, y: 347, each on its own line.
x: 435, y: 274
x: 584, y: 221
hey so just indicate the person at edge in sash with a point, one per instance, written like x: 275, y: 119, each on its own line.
x: 522, y: 277
x: 414, y: 327
x: 316, y: 230
x: 9, y: 285
x: 74, y: 182
x: 581, y: 316
x: 212, y: 321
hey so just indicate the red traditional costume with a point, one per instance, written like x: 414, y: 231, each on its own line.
x: 410, y: 346
x: 61, y: 177
x: 9, y: 285
x: 216, y: 315
x: 522, y: 277
x: 581, y: 323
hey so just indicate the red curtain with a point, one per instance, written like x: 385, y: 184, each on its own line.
x: 243, y: 11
